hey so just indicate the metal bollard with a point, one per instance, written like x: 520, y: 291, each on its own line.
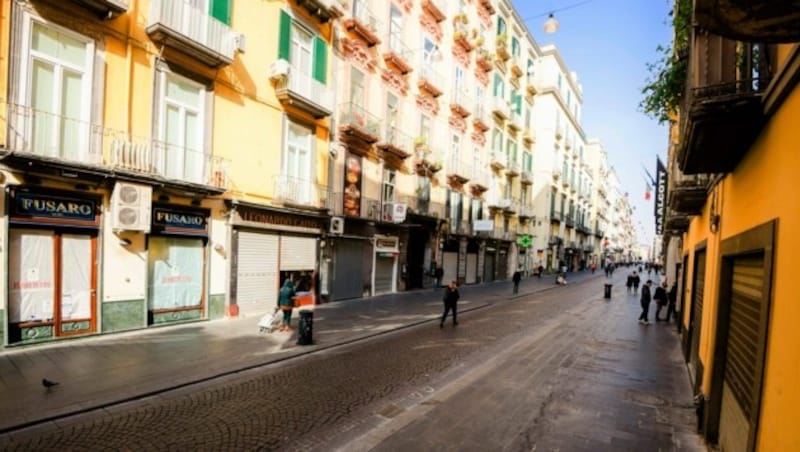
x: 305, y: 328
x: 607, y: 291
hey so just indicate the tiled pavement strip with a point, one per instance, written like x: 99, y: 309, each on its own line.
x: 106, y: 370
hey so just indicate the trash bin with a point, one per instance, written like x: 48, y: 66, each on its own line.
x: 305, y: 328
x: 607, y: 291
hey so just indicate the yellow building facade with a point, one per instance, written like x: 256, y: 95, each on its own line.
x: 734, y: 220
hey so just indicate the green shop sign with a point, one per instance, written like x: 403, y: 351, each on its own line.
x: 525, y: 241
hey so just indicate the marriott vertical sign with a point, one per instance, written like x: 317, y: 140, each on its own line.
x: 661, y: 196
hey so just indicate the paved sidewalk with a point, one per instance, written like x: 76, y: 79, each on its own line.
x: 105, y: 370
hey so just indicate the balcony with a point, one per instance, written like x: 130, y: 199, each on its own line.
x: 676, y: 223
x: 398, y: 55
x: 341, y: 204
x: 530, y: 87
x: 479, y: 182
x: 421, y: 205
x: 526, y: 177
x: 750, y: 20
x: 427, y: 162
x: 106, y: 8
x: 501, y: 48
x: 565, y: 181
x: 514, y: 120
x: 323, y: 10
x: 724, y: 112
x: 459, y: 102
x: 513, y: 169
x: 500, y: 108
x: 396, y: 146
x: 458, y: 170
x: 190, y: 30
x: 483, y: 59
x: 56, y: 140
x: 429, y: 80
x: 516, y: 69
x: 461, y: 33
x: 480, y: 119
x: 363, y: 23
x: 500, y: 234
x: 569, y: 221
x: 498, y: 160
x: 555, y: 216
x: 305, y: 93
x: 356, y: 122
x: 526, y: 211
x: 528, y: 137
x: 435, y: 8
x: 599, y: 233
x: 688, y: 194
x: 559, y: 132
x: 556, y: 172
x: 293, y: 192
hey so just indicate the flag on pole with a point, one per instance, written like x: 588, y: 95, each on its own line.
x: 647, y: 192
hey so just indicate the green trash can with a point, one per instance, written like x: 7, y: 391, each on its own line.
x: 305, y: 328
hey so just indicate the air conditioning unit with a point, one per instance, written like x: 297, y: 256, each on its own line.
x: 240, y: 41
x: 130, y: 207
x: 337, y: 226
x: 278, y: 70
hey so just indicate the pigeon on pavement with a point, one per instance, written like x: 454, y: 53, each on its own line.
x: 48, y: 383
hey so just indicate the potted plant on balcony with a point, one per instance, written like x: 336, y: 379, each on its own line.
x: 460, y: 18
x: 501, y: 40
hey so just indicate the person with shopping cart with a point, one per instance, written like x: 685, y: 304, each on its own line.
x: 286, y: 304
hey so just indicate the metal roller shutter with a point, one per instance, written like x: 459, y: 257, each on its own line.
x: 384, y: 272
x: 472, y: 268
x: 697, y: 311
x: 256, y: 271
x: 743, y: 351
x: 298, y: 253
x: 450, y: 267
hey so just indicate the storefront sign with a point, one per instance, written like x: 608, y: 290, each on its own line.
x: 661, y: 196
x: 277, y: 219
x: 385, y: 244
x: 399, y: 212
x: 169, y: 219
x: 482, y: 225
x: 53, y: 207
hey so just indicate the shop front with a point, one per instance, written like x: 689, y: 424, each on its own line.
x: 52, y: 271
x: 271, y: 245
x: 387, y: 251
x: 176, y: 264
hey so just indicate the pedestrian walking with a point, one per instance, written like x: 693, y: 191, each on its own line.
x: 286, y: 304
x: 660, y: 297
x: 450, y: 299
x: 636, y: 281
x: 645, y: 301
x: 541, y: 270
x: 516, y: 278
x: 594, y: 267
x: 672, y: 298
x: 438, y: 273
x: 629, y: 283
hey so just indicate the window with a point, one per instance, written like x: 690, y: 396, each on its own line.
x: 511, y: 151
x: 458, y: 76
x: 499, y: 87
x: 497, y: 141
x: 388, y: 193
x: 523, y: 195
x: 476, y: 210
x: 182, y: 128
x: 455, y: 144
x: 424, y: 127
x: 391, y: 118
x: 515, y: 47
x: 429, y: 52
x: 501, y: 26
x: 455, y: 209
x: 57, y: 76
x: 396, y: 29
x: 298, y: 167
x: 357, y: 89
x: 307, y: 52
x: 527, y: 161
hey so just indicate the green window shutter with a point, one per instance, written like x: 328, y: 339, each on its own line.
x: 497, y: 82
x: 221, y: 10
x: 501, y: 25
x: 320, y: 59
x: 285, y: 37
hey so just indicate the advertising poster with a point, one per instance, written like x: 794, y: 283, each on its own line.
x: 352, y: 186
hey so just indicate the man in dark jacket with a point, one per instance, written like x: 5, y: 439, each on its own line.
x: 645, y: 301
x: 516, y: 278
x: 450, y: 299
x: 660, y: 297
x: 672, y: 298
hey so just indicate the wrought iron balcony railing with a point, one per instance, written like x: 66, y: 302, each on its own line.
x: 306, y: 93
x: 294, y: 191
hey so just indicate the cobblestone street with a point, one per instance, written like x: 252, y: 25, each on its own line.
x: 555, y: 369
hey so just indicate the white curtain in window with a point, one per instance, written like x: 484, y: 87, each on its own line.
x: 176, y: 272
x: 76, y: 277
x: 183, y: 130
x: 300, y: 55
x: 31, y: 276
x: 298, y: 167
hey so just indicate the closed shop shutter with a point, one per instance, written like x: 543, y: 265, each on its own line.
x: 743, y: 352
x: 256, y: 271
x: 488, y: 268
x: 384, y: 271
x: 450, y: 267
x: 348, y: 269
x: 472, y: 268
x: 298, y: 253
x: 697, y: 313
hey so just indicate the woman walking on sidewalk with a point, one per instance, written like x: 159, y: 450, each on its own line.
x: 286, y: 303
x: 450, y: 299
